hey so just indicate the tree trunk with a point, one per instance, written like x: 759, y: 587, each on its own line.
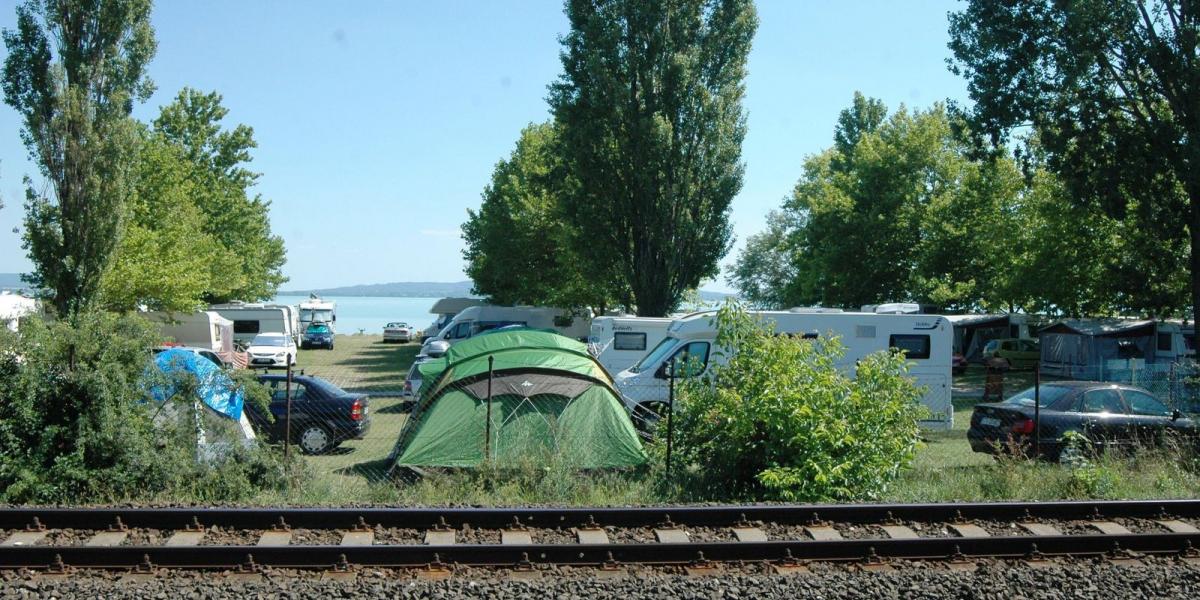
x: 1194, y: 233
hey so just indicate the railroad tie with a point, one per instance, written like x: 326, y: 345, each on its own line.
x: 1039, y: 529
x: 108, y: 538
x: 968, y: 530
x: 899, y: 532
x: 275, y: 538
x: 749, y: 534
x: 515, y: 537
x: 591, y: 535
x: 185, y: 538
x: 1109, y: 528
x: 822, y: 533
x: 1177, y: 526
x: 358, y: 538
x: 668, y: 532
x: 24, y: 538
x: 438, y: 537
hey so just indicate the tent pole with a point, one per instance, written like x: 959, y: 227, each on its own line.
x: 487, y: 428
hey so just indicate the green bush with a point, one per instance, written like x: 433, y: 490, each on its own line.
x: 76, y: 424
x: 781, y: 421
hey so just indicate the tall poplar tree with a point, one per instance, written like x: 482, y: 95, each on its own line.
x: 73, y: 71
x: 650, y: 110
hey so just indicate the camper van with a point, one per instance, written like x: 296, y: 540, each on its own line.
x: 446, y: 309
x: 13, y: 307
x: 618, y: 342
x: 204, y: 329
x: 926, y: 339
x: 250, y: 320
x: 477, y: 319
x: 316, y: 310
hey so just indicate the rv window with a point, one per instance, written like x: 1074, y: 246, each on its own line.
x: 864, y: 331
x: 462, y: 330
x: 245, y: 326
x: 1164, y: 342
x: 913, y: 346
x: 691, y: 359
x: 629, y: 341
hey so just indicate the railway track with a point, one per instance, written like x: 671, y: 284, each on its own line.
x: 434, y: 541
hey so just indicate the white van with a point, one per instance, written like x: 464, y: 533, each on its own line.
x: 446, y: 309
x: 926, y: 339
x: 250, y: 320
x: 618, y: 342
x: 474, y: 320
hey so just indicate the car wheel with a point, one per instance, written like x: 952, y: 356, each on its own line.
x: 314, y: 439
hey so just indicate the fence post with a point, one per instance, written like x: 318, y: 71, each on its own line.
x: 287, y: 437
x: 1037, y: 409
x: 670, y: 413
x: 487, y: 428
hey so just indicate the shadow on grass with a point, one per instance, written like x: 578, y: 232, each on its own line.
x: 399, y: 408
x: 374, y: 471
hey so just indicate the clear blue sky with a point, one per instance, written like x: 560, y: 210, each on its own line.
x: 378, y: 127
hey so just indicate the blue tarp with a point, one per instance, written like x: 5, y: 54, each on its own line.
x: 216, y: 388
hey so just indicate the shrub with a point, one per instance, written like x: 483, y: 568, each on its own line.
x: 76, y: 424
x: 781, y: 420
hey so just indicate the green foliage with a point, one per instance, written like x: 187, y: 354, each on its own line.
x: 780, y: 420
x: 76, y: 426
x: 73, y: 71
x: 901, y: 208
x: 650, y: 114
x: 1108, y: 89
x: 518, y: 243
x: 237, y: 221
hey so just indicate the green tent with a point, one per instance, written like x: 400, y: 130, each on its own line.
x: 548, y: 398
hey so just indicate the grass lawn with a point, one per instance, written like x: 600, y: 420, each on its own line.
x: 361, y: 363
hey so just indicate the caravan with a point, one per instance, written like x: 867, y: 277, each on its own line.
x: 250, y: 320
x: 478, y: 319
x: 204, y: 329
x: 618, y: 342
x: 13, y: 307
x: 926, y: 339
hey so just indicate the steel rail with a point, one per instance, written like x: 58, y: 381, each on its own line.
x: 417, y: 556
x: 498, y: 518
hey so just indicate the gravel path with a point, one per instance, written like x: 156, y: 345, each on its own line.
x: 1081, y: 579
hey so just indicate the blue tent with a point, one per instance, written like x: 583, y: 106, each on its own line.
x: 216, y: 388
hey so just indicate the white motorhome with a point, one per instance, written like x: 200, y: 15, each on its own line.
x: 204, y: 329
x: 250, y: 320
x: 316, y: 310
x: 618, y: 342
x: 13, y: 307
x: 926, y: 340
x: 474, y: 320
x: 446, y: 309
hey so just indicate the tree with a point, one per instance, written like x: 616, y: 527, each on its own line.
x: 166, y: 259
x: 1112, y: 92
x: 518, y: 245
x: 764, y: 272
x: 239, y: 221
x: 650, y: 110
x: 73, y: 71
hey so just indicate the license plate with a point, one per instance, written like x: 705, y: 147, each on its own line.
x: 989, y: 422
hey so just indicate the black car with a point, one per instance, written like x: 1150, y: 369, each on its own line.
x: 323, y: 415
x: 317, y: 335
x: 1106, y: 414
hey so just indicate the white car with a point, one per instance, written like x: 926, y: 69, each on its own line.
x: 272, y: 350
x: 397, y: 332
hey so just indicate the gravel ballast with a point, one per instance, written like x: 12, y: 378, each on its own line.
x: 1080, y: 579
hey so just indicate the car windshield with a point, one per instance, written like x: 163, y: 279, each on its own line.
x: 269, y: 340
x: 317, y: 329
x: 655, y: 356
x: 396, y: 325
x: 1049, y: 395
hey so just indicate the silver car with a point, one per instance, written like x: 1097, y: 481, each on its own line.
x: 397, y: 331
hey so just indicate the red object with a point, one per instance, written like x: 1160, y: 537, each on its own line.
x: 357, y: 415
x: 1023, y: 427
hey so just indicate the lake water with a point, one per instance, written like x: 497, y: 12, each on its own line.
x: 370, y: 314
